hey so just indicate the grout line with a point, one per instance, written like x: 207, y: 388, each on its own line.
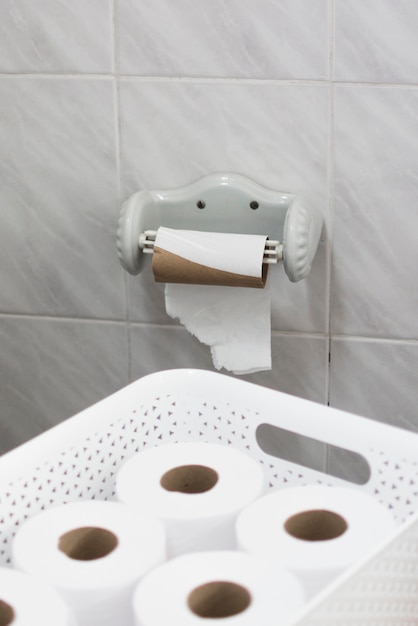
x: 331, y: 193
x: 331, y: 39
x: 60, y: 318
x: 274, y: 333
x: 353, y: 83
x: 299, y: 333
x: 59, y: 75
x: 118, y: 149
x: 228, y: 80
x: 267, y: 81
x: 174, y: 326
x: 330, y: 225
x: 114, y: 35
x: 367, y: 339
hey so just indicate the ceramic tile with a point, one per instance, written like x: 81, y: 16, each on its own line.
x: 60, y: 199
x: 375, y: 254
x: 377, y: 380
x: 147, y: 300
x: 299, y: 368
x: 376, y: 41
x: 156, y: 348
x: 52, y: 369
x: 238, y: 38
x: 65, y: 36
x: 299, y: 364
x: 265, y: 132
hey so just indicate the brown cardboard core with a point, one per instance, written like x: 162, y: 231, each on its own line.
x: 317, y: 525
x: 218, y: 599
x: 189, y: 479
x: 7, y: 615
x: 88, y: 543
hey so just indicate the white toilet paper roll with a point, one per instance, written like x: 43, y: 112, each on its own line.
x: 197, y: 489
x: 206, y: 258
x: 218, y: 305
x: 93, y: 553
x: 315, y: 531
x: 25, y: 601
x: 207, y: 586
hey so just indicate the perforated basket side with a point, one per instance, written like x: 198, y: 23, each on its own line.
x: 80, y: 459
x: 383, y: 591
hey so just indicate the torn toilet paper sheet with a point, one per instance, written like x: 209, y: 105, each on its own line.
x: 233, y: 321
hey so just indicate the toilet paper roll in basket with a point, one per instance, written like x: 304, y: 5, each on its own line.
x: 25, y: 601
x: 207, y: 586
x: 93, y: 553
x: 196, y: 489
x: 315, y: 531
x: 218, y: 305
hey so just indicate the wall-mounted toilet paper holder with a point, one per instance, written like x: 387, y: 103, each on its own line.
x: 228, y: 203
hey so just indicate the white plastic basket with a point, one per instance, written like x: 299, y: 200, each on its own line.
x: 79, y: 459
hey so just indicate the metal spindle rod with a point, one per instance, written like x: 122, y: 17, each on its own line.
x: 273, y: 251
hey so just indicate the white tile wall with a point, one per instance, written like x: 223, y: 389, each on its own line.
x: 375, y: 41
x: 264, y: 131
x: 69, y: 36
x: 59, y: 198
x: 52, y: 368
x: 99, y: 99
x: 224, y: 39
x: 376, y: 212
x: 377, y: 378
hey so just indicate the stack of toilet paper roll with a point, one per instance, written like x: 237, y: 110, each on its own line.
x: 192, y: 536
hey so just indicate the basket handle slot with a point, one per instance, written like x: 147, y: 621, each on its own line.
x: 308, y: 452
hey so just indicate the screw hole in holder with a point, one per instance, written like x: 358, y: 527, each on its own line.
x: 292, y: 225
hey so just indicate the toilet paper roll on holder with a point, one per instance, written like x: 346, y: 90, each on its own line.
x: 223, y: 202
x: 273, y: 250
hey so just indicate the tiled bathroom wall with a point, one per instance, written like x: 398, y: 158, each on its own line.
x: 100, y: 99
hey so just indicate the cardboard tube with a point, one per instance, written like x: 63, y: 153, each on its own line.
x: 316, y: 525
x: 217, y: 587
x: 87, y: 543
x: 172, y: 268
x: 205, y: 258
x: 219, y: 599
x: 189, y: 479
x: 7, y: 614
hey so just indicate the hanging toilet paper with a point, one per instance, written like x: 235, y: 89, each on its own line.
x: 25, y: 601
x: 315, y: 531
x: 204, y: 586
x: 196, y: 489
x: 206, y: 268
x: 93, y: 553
